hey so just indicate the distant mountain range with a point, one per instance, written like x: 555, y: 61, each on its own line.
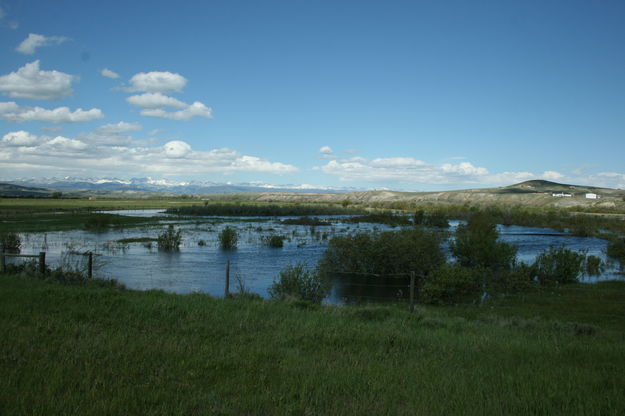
x: 72, y: 184
x: 532, y: 193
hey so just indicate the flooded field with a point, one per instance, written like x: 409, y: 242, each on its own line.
x: 200, y: 264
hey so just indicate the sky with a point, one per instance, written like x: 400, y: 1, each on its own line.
x: 404, y: 95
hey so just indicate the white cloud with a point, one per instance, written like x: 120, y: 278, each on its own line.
x: 63, y: 144
x: 197, y: 109
x: 157, y: 82
x: 403, y: 170
x: 107, y: 151
x: 551, y: 175
x: 34, y: 41
x: 176, y: 149
x: 10, y: 111
x: 155, y: 100
x: 19, y: 138
x: 32, y: 83
x: 108, y: 73
x: 120, y: 127
x: 326, y: 150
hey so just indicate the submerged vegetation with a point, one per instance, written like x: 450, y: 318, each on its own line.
x: 311, y: 221
x: 10, y: 242
x: 274, y: 240
x: 228, y: 238
x: 170, y: 240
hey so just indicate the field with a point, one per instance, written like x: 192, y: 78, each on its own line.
x: 85, y: 349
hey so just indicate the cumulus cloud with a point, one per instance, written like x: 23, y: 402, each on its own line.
x: 108, y: 73
x: 155, y: 81
x: 115, y: 134
x: 19, y: 138
x: 33, y: 83
x: 155, y: 100
x: 10, y: 111
x: 63, y: 144
x: 25, y: 143
x: 326, y: 150
x: 403, y: 170
x: 197, y: 109
x: 109, y: 151
x: 34, y: 41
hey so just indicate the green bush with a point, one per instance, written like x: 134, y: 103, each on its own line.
x: 10, y: 242
x: 616, y: 250
x: 449, y: 284
x: 170, y: 240
x: 593, y: 266
x: 228, y: 238
x: 390, y: 252
x: 298, y: 283
x: 558, y: 266
x: 275, y: 241
x: 475, y: 245
x: 520, y: 278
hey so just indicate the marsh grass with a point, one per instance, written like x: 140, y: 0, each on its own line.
x: 82, y: 349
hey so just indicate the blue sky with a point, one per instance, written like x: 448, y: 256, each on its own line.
x: 407, y: 95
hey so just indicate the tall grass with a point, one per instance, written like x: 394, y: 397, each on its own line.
x: 90, y: 350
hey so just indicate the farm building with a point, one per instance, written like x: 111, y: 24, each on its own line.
x: 591, y: 195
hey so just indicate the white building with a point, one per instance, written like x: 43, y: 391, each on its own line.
x: 561, y: 194
x: 590, y: 195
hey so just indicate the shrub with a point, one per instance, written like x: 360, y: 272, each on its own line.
x: 616, y: 250
x: 390, y: 252
x: 169, y: 240
x: 475, y: 245
x: 558, y: 266
x: 275, y: 241
x: 228, y: 238
x: 593, y: 266
x: 297, y: 282
x: 450, y: 284
x: 10, y: 242
x: 520, y: 278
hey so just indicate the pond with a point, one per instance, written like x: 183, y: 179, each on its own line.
x: 202, y: 268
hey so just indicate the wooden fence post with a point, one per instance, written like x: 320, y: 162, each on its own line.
x: 3, y: 265
x: 227, y: 289
x: 42, y: 263
x: 412, y: 284
x: 90, y: 265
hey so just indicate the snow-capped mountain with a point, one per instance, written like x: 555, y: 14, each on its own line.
x: 164, y: 185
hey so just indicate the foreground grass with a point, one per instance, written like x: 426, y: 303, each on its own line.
x: 94, y: 350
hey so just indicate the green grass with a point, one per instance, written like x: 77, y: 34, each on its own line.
x: 262, y: 209
x: 18, y: 205
x: 47, y: 221
x: 94, y: 350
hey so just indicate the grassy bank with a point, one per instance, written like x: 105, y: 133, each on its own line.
x: 93, y: 350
